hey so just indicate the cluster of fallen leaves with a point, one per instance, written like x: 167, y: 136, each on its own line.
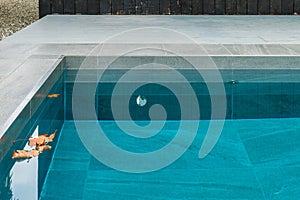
x: 39, y: 143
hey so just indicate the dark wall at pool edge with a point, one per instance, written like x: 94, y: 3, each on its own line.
x: 169, y: 7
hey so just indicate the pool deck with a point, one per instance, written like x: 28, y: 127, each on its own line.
x: 29, y: 56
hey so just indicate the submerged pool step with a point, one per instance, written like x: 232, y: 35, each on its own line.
x: 244, y: 100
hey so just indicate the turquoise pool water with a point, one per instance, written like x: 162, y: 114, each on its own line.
x: 253, y: 159
x: 256, y: 157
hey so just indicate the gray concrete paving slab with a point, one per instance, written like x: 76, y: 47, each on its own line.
x: 19, y: 87
x: 202, y: 29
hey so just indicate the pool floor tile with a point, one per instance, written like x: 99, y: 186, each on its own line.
x: 249, y: 129
x: 54, y: 197
x: 174, y: 184
x: 280, y: 183
x: 70, y: 163
x: 64, y: 184
x: 274, y: 150
x: 72, y: 155
x: 229, y: 152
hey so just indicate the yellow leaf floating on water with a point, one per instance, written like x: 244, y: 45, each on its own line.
x: 25, y: 154
x: 41, y: 139
x: 43, y: 148
x: 53, y: 95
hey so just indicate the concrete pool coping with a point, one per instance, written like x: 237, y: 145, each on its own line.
x: 28, y: 57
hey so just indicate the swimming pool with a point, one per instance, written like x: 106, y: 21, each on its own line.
x: 256, y: 157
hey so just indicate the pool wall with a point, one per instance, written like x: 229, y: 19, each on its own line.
x: 256, y: 87
x: 41, y: 113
